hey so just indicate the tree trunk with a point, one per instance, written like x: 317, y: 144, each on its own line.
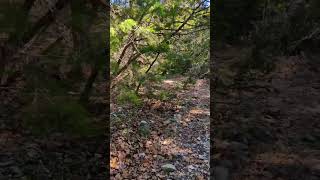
x: 84, y: 97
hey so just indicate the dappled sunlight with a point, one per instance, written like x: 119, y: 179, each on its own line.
x: 205, y: 96
x: 114, y: 163
x: 199, y: 112
x: 167, y: 141
x: 200, y: 83
x: 195, y: 114
x: 151, y: 154
x: 170, y: 82
x: 171, y: 147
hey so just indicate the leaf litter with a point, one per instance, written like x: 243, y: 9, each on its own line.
x: 177, y: 146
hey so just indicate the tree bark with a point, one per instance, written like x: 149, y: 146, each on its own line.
x: 84, y: 97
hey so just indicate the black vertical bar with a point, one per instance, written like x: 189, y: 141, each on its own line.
x: 212, y: 84
x: 107, y: 52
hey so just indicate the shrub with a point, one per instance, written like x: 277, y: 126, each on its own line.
x: 49, y: 115
x: 164, y: 95
x: 129, y: 96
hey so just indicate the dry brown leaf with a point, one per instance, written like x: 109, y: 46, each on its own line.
x: 199, y: 177
x: 114, y: 163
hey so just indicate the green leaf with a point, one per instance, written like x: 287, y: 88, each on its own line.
x: 127, y: 25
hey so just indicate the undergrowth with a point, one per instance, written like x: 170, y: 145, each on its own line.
x: 44, y: 116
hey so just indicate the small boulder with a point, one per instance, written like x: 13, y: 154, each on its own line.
x: 176, y: 117
x: 144, y: 128
x: 168, y: 168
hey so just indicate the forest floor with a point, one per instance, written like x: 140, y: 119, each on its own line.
x: 177, y: 146
x: 267, y: 127
x: 55, y: 156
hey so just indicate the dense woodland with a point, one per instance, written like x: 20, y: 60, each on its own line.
x: 56, y: 89
x: 265, y: 89
x: 53, y: 89
x: 54, y: 54
x: 151, y: 40
x: 159, y: 63
x: 55, y: 76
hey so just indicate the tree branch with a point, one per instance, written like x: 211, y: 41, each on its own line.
x: 166, y: 39
x: 43, y: 22
x: 124, y: 52
x: 149, y: 68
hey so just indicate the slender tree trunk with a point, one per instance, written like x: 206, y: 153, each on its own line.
x: 84, y: 97
x: 155, y: 59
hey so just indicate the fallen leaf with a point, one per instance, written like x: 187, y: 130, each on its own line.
x: 114, y: 163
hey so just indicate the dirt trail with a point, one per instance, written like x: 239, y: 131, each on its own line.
x: 268, y: 127
x: 193, y: 131
x: 179, y: 137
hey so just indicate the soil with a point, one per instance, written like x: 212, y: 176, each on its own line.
x: 267, y: 126
x: 24, y: 155
x: 179, y: 135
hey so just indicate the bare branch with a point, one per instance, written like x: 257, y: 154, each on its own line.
x: 124, y: 52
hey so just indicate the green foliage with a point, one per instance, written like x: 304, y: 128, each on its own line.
x: 114, y: 40
x: 189, y: 80
x: 164, y: 95
x: 46, y: 115
x: 176, y: 64
x: 127, y: 25
x: 190, y: 56
x: 153, y: 28
x: 129, y: 97
x: 151, y: 78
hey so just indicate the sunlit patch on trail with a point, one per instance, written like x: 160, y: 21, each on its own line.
x: 178, y: 136
x: 170, y: 82
x: 199, y: 112
x: 167, y: 141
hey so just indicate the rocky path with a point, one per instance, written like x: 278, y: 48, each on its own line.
x: 178, y: 144
x: 193, y: 133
